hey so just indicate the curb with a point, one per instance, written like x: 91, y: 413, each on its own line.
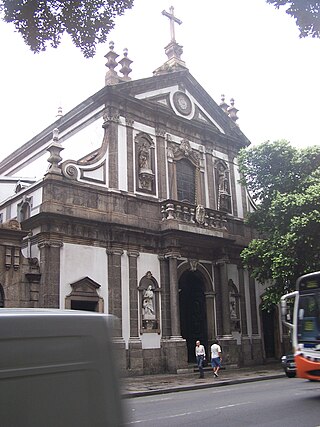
x: 221, y: 383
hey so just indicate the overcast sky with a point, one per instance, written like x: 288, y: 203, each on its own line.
x: 245, y: 49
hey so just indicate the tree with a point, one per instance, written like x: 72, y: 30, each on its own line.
x: 43, y: 22
x: 305, y: 12
x: 285, y: 184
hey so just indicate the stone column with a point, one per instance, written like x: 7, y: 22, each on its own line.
x: 245, y: 355
x: 228, y: 343
x: 135, y: 356
x: 111, y: 122
x: 175, y: 348
x: 114, y: 285
x: 253, y: 306
x: 210, y: 175
x: 225, y: 303
x: 173, y: 192
x: 233, y: 190
x: 49, y: 292
x: 174, y: 296
x: 162, y: 160
x: 115, y: 304
x: 218, y: 301
x: 130, y: 145
x: 256, y: 339
x: 243, y: 310
x: 133, y: 294
x: 210, y: 316
x: 165, y: 297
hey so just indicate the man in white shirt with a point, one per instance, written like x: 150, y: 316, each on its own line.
x: 216, y: 357
x: 201, y: 357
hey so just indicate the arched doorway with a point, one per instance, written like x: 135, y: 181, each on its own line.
x: 193, y: 313
x: 1, y: 297
x: 270, y: 324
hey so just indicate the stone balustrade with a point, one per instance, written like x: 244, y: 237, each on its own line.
x: 192, y: 214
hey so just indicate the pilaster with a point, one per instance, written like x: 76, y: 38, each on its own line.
x: 111, y: 122
x: 114, y: 285
x: 210, y: 316
x: 225, y: 303
x: 174, y: 295
x: 161, y: 160
x: 243, y: 310
x: 165, y: 296
x: 130, y: 145
x: 50, y: 272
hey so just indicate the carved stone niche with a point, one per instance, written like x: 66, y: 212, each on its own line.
x: 145, y: 163
x: 234, y: 300
x: 222, y: 177
x: 149, y: 303
x: 84, y: 296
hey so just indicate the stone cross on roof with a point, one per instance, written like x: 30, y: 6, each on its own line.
x: 173, y: 19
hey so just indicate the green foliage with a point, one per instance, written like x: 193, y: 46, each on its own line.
x: 305, y: 13
x: 285, y: 184
x: 43, y: 22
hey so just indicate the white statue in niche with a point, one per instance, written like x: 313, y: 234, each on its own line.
x: 233, y: 308
x: 147, y: 304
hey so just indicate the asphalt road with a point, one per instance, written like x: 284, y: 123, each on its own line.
x: 278, y: 402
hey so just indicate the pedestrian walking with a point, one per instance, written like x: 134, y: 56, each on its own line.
x: 201, y: 357
x: 216, y: 357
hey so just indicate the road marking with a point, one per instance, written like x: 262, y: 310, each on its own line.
x: 233, y: 405
x: 184, y: 414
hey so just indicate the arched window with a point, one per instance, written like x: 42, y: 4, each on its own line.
x: 24, y: 208
x: 186, y: 181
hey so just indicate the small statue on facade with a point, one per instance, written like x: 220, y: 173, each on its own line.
x: 147, y: 304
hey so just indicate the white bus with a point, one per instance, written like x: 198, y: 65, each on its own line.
x: 304, y: 324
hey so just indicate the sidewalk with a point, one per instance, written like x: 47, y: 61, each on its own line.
x: 168, y: 383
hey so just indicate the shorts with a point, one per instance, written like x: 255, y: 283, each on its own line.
x: 216, y: 362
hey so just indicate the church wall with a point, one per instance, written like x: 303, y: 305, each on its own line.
x: 79, y: 261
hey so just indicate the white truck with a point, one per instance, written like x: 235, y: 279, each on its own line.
x: 57, y: 369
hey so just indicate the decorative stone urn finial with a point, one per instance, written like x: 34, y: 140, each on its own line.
x: 223, y: 104
x: 232, y: 110
x: 125, y: 64
x: 54, y: 149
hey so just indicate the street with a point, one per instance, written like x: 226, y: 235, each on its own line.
x: 278, y: 402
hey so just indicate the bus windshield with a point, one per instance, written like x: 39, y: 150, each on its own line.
x: 309, y: 319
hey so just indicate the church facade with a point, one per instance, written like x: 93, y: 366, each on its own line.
x: 149, y: 226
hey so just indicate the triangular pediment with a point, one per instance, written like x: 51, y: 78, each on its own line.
x: 85, y: 286
x: 180, y: 93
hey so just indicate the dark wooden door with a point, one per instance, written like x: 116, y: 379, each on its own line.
x: 193, y: 316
